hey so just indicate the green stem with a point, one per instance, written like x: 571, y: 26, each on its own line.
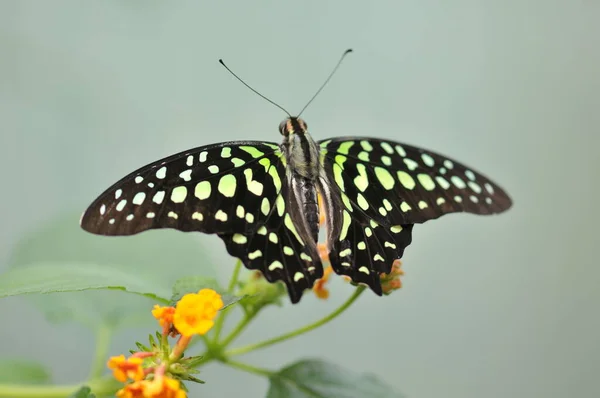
x: 221, y: 319
x: 103, y: 337
x: 205, y: 339
x: 18, y: 391
x: 297, y: 332
x: 100, y: 387
x: 206, y: 357
x: 238, y: 329
x: 234, y: 277
x: 249, y: 368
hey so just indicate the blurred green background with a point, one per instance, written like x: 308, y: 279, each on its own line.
x: 501, y: 306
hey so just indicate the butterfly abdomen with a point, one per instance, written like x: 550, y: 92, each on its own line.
x: 304, y: 193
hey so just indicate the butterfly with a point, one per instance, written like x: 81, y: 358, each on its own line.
x: 261, y: 199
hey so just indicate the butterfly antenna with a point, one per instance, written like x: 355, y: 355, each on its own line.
x: 348, y: 51
x: 253, y: 90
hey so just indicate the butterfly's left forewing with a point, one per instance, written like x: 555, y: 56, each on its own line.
x: 196, y: 190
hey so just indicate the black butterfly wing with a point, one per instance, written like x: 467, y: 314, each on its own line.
x: 196, y: 190
x: 420, y: 185
x: 279, y: 248
x: 234, y: 189
x: 378, y: 189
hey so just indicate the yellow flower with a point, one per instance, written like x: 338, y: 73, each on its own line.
x: 123, y: 369
x: 164, y: 315
x: 195, y: 312
x: 319, y: 286
x: 162, y: 387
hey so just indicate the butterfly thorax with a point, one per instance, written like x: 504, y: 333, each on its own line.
x: 301, y: 151
x: 303, y: 168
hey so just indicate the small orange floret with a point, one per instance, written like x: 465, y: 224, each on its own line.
x: 391, y: 281
x: 195, y: 312
x: 321, y: 210
x: 133, y: 390
x: 164, y: 387
x: 319, y: 287
x: 126, y: 368
x: 323, y: 252
x: 164, y: 315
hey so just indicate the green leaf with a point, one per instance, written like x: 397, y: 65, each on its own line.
x: 62, y: 278
x: 192, y: 284
x: 56, y: 278
x: 313, y: 378
x: 83, y: 392
x: 18, y: 371
x: 147, y: 263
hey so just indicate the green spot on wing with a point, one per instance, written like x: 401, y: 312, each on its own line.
x: 226, y: 152
x: 384, y: 177
x: 345, y: 147
x: 345, y: 225
x: 227, y: 185
x: 253, y: 151
x: 202, y: 190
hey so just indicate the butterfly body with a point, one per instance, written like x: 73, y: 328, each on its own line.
x: 260, y: 198
x: 302, y: 155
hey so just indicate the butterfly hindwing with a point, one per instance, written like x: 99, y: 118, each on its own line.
x: 279, y: 250
x: 359, y: 246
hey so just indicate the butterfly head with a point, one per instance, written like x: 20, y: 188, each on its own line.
x: 293, y: 125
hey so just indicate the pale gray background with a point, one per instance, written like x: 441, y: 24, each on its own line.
x: 492, y: 307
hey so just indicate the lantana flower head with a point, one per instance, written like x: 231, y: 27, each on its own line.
x: 391, y: 281
x: 164, y: 387
x: 195, y: 313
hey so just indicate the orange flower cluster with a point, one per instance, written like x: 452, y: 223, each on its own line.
x: 159, y: 387
x: 193, y: 314
x: 126, y: 368
x: 391, y: 281
x: 164, y: 315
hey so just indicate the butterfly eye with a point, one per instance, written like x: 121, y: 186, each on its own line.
x: 282, y: 128
x: 303, y: 124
